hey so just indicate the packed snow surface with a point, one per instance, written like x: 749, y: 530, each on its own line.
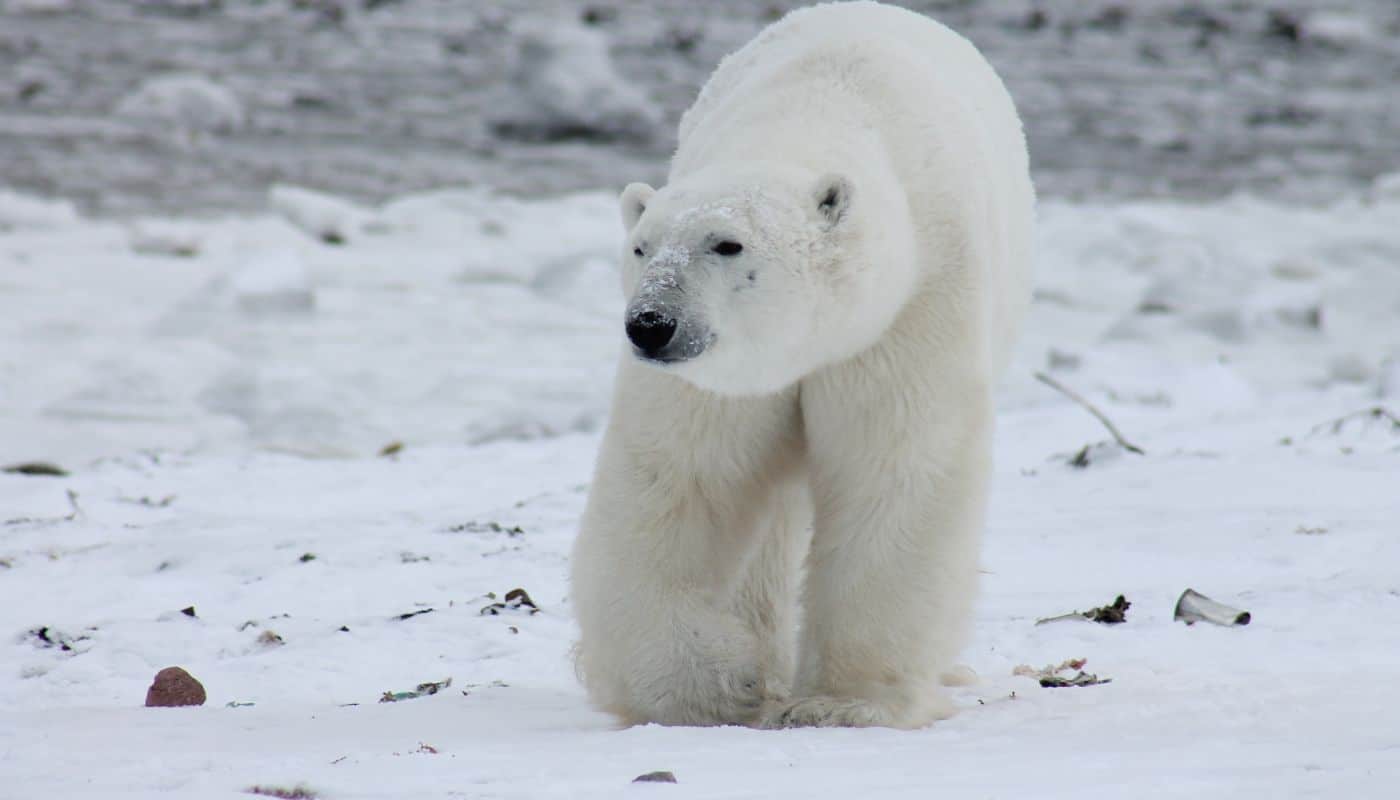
x: 374, y: 98
x: 220, y: 391
x: 188, y: 102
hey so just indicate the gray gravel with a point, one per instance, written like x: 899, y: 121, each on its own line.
x: 374, y: 97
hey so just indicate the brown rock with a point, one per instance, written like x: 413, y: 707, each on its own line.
x: 175, y: 687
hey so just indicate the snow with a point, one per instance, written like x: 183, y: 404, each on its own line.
x: 273, y: 281
x: 1386, y: 188
x: 371, y: 99
x: 165, y: 238
x: 224, y: 455
x: 1340, y: 28
x: 671, y: 258
x: 324, y: 216
x: 37, y: 6
x: 188, y: 101
x: 22, y: 211
x: 564, y: 85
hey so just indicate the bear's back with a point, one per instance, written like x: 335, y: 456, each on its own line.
x: 864, y: 30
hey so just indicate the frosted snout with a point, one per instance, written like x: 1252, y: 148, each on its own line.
x: 660, y: 334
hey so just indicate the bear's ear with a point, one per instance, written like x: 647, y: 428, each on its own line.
x: 634, y: 201
x: 832, y: 197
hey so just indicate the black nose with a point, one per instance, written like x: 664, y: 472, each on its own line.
x: 650, y: 331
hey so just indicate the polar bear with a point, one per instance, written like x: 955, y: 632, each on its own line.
x: 784, y: 522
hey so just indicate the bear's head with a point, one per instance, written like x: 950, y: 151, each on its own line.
x: 743, y: 282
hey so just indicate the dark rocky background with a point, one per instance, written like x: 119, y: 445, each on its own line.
x: 374, y: 97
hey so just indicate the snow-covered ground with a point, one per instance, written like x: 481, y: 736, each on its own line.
x: 162, y: 105
x: 220, y: 390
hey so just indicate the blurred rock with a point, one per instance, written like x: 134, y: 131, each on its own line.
x: 183, y: 8
x: 1284, y: 25
x: 175, y: 687
x: 656, y: 777
x: 1295, y: 269
x: 1062, y: 360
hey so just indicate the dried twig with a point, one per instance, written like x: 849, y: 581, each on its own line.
x: 73, y: 504
x: 75, y: 512
x: 1111, y: 614
x: 1087, y: 406
x: 1335, y: 426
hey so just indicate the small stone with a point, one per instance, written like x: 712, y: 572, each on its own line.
x: 656, y: 777
x: 174, y: 687
x: 1061, y: 360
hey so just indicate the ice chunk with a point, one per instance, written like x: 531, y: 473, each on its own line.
x: 164, y: 238
x: 564, y: 86
x: 274, y: 281
x: 1339, y: 28
x: 20, y: 212
x: 331, y: 219
x: 1386, y: 188
x: 191, y: 102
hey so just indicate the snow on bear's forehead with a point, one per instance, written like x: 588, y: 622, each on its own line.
x: 713, y: 210
x: 692, y: 206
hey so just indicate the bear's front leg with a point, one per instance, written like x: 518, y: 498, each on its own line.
x: 671, y: 526
x: 898, y: 472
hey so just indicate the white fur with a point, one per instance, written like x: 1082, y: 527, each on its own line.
x: 828, y: 449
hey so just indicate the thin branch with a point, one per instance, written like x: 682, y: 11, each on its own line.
x: 1375, y: 412
x: 73, y: 503
x: 1087, y: 406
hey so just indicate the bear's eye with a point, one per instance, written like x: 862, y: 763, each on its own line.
x: 637, y: 251
x: 728, y: 248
